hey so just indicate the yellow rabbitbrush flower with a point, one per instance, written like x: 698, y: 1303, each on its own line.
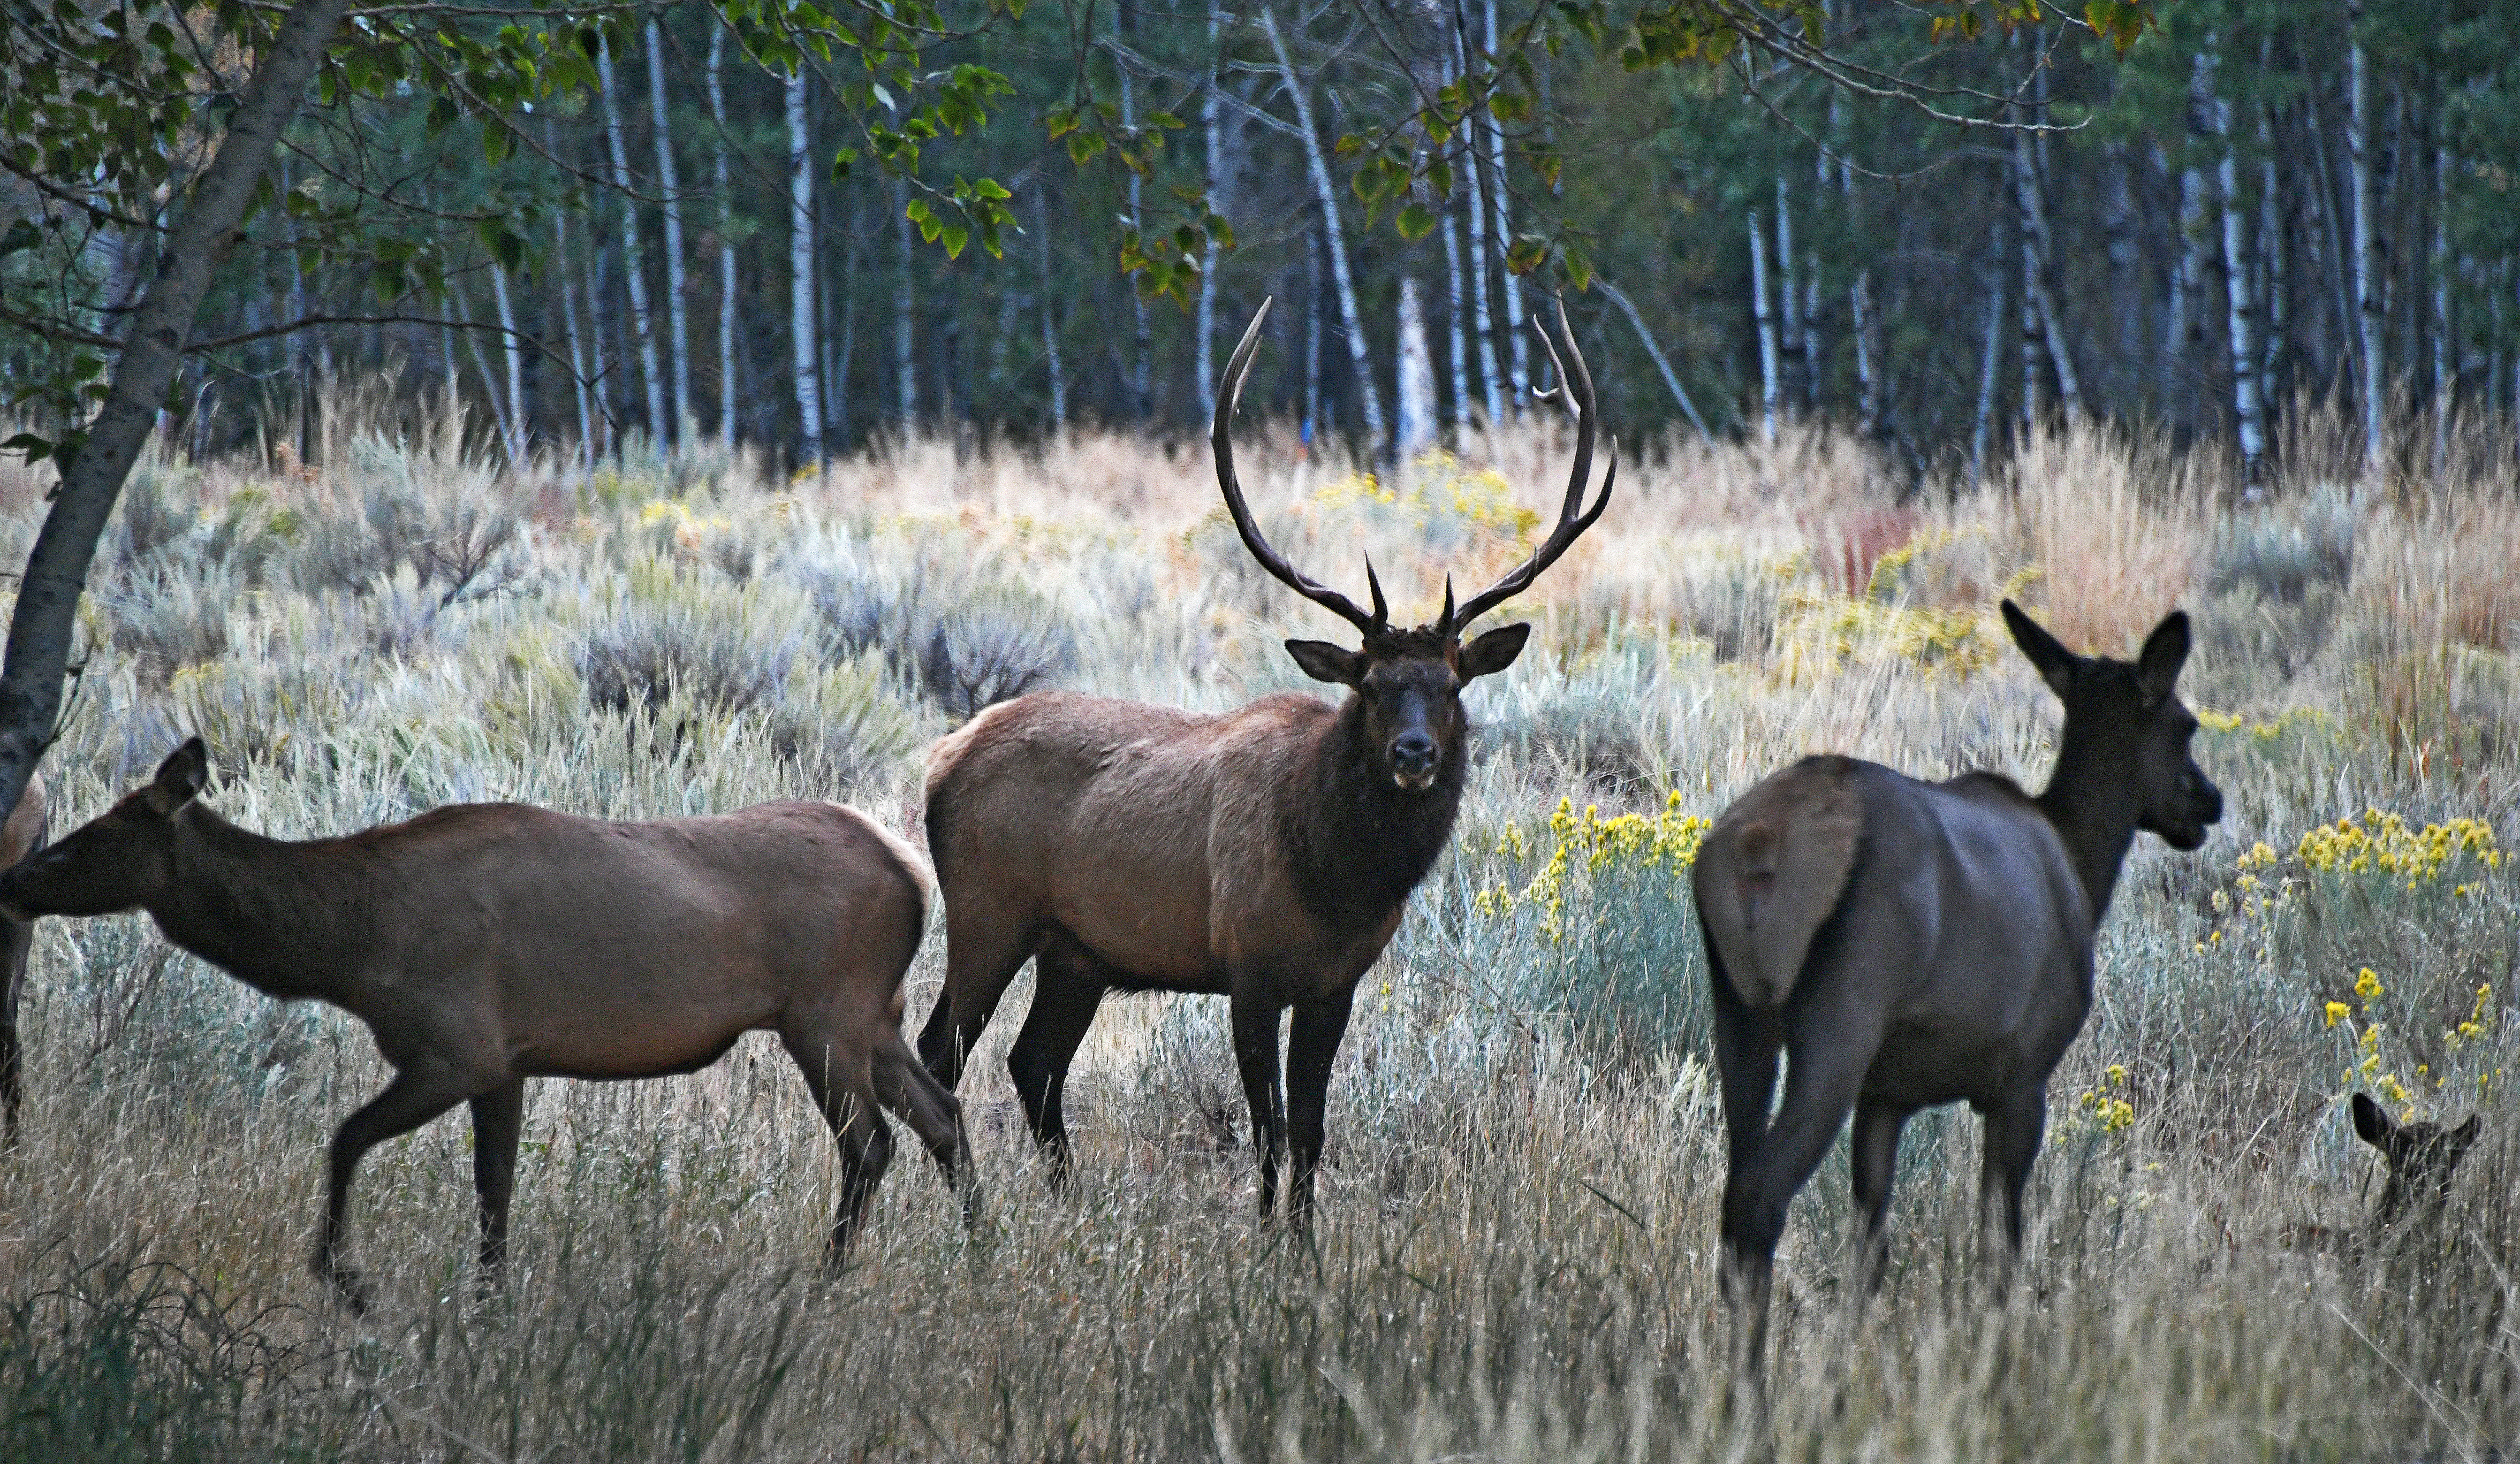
x: 1667, y: 841
x: 2381, y: 843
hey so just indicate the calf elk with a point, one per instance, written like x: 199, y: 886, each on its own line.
x: 1264, y: 855
x: 486, y: 943
x: 1911, y: 944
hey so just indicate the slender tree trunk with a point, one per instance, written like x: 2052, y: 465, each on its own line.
x: 605, y: 381
x: 2038, y: 265
x: 1456, y: 310
x: 2370, y: 259
x: 1769, y: 387
x: 515, y: 343
x: 1497, y: 183
x: 2340, y: 259
x: 44, y: 619
x: 1312, y: 336
x: 2034, y: 340
x: 576, y: 343
x: 676, y: 293
x: 1326, y: 195
x: 634, y: 272
x: 1414, y: 391
x: 1867, y: 358
x: 1211, y: 121
x: 2130, y: 298
x: 726, y: 274
x: 905, y: 318
x: 2275, y: 254
x: 2445, y: 323
x: 508, y: 446
x: 1789, y: 325
x: 2173, y: 344
x: 1662, y: 364
x: 2236, y: 273
x: 1988, y: 374
x: 1482, y: 317
x: 802, y: 277
x: 1141, y: 400
x: 1049, y: 319
x: 1812, y: 353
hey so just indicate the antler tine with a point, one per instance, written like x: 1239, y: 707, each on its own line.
x: 1238, y: 369
x: 1575, y: 386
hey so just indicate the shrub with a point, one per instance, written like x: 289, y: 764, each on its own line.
x: 2284, y: 550
x: 650, y: 655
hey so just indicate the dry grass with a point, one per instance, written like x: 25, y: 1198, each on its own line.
x: 1513, y: 1259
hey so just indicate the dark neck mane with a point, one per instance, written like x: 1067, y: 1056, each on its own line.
x: 288, y: 918
x: 1358, y: 841
x: 2089, y: 802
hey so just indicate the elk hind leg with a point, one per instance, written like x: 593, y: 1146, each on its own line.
x: 984, y: 949
x: 1067, y: 988
x: 498, y: 1123
x: 416, y: 1095
x: 2013, y: 1130
x: 843, y: 1083
x: 936, y: 1115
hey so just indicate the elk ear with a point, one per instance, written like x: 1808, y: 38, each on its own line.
x: 180, y: 778
x: 2465, y: 1133
x: 2056, y: 664
x: 2164, y: 651
x: 1324, y: 662
x: 1493, y: 652
x: 2375, y: 1126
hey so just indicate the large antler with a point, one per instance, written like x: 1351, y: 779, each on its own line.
x: 1228, y: 397
x: 1575, y: 388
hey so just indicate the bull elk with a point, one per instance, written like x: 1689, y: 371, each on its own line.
x: 1912, y: 944
x: 1264, y: 855
x: 485, y: 943
x: 22, y: 835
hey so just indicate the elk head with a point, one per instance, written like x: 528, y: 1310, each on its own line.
x: 121, y: 860
x: 2422, y: 1157
x: 2128, y: 720
x: 1407, y: 682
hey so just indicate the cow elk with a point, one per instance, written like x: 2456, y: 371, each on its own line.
x: 1264, y: 855
x: 22, y: 835
x: 486, y: 943
x: 1911, y: 944
x: 2421, y: 1157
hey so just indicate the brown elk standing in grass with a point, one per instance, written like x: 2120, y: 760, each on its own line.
x: 486, y: 943
x: 1264, y: 855
x: 22, y: 835
x: 1912, y: 944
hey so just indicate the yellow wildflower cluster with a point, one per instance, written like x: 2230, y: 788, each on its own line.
x: 2381, y: 842
x: 1629, y: 842
x: 1819, y: 636
x: 1482, y: 499
x: 2104, y: 1107
x: 689, y: 529
x: 2368, y: 1034
x: 2264, y: 732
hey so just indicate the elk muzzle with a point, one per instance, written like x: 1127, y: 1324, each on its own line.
x: 2201, y: 808
x: 1414, y: 756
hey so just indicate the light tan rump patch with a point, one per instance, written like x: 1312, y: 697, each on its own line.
x: 1770, y: 871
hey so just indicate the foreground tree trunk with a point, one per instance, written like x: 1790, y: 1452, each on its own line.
x: 41, y: 626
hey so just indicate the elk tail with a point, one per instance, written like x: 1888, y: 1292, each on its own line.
x: 1773, y: 870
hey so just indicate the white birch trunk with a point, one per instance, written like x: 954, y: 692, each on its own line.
x: 1482, y: 317
x: 1769, y: 390
x: 802, y: 278
x: 576, y: 344
x: 1867, y: 357
x: 514, y: 348
x: 2274, y: 258
x: 677, y: 311
x: 1989, y: 364
x: 1327, y: 195
x: 1049, y: 318
x: 905, y: 316
x: 2246, y: 407
x: 1416, y: 387
x: 1453, y: 311
x: 2370, y: 260
x: 634, y: 273
x: 2037, y: 264
x: 1790, y: 324
x: 1142, y: 401
x: 603, y: 384
x: 726, y: 275
x: 1211, y: 119
x: 2445, y: 323
x: 1520, y: 349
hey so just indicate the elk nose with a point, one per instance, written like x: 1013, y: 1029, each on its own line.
x: 1414, y: 754
x: 2207, y: 795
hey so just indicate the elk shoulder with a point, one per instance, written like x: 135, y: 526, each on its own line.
x: 1772, y: 870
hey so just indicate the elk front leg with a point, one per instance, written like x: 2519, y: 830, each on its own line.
x: 2013, y: 1129
x: 1310, y: 1049
x: 416, y: 1095
x: 498, y: 1123
x: 1255, y: 1053
x: 16, y: 939
x: 842, y: 1079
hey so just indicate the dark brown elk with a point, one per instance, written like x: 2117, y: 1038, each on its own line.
x: 2422, y: 1158
x: 1264, y: 855
x: 486, y: 943
x: 1910, y: 944
x: 22, y: 835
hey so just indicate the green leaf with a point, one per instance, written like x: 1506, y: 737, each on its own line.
x: 36, y: 448
x: 1416, y: 221
x: 23, y: 235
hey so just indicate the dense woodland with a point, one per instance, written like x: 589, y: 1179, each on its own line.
x: 2262, y: 202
